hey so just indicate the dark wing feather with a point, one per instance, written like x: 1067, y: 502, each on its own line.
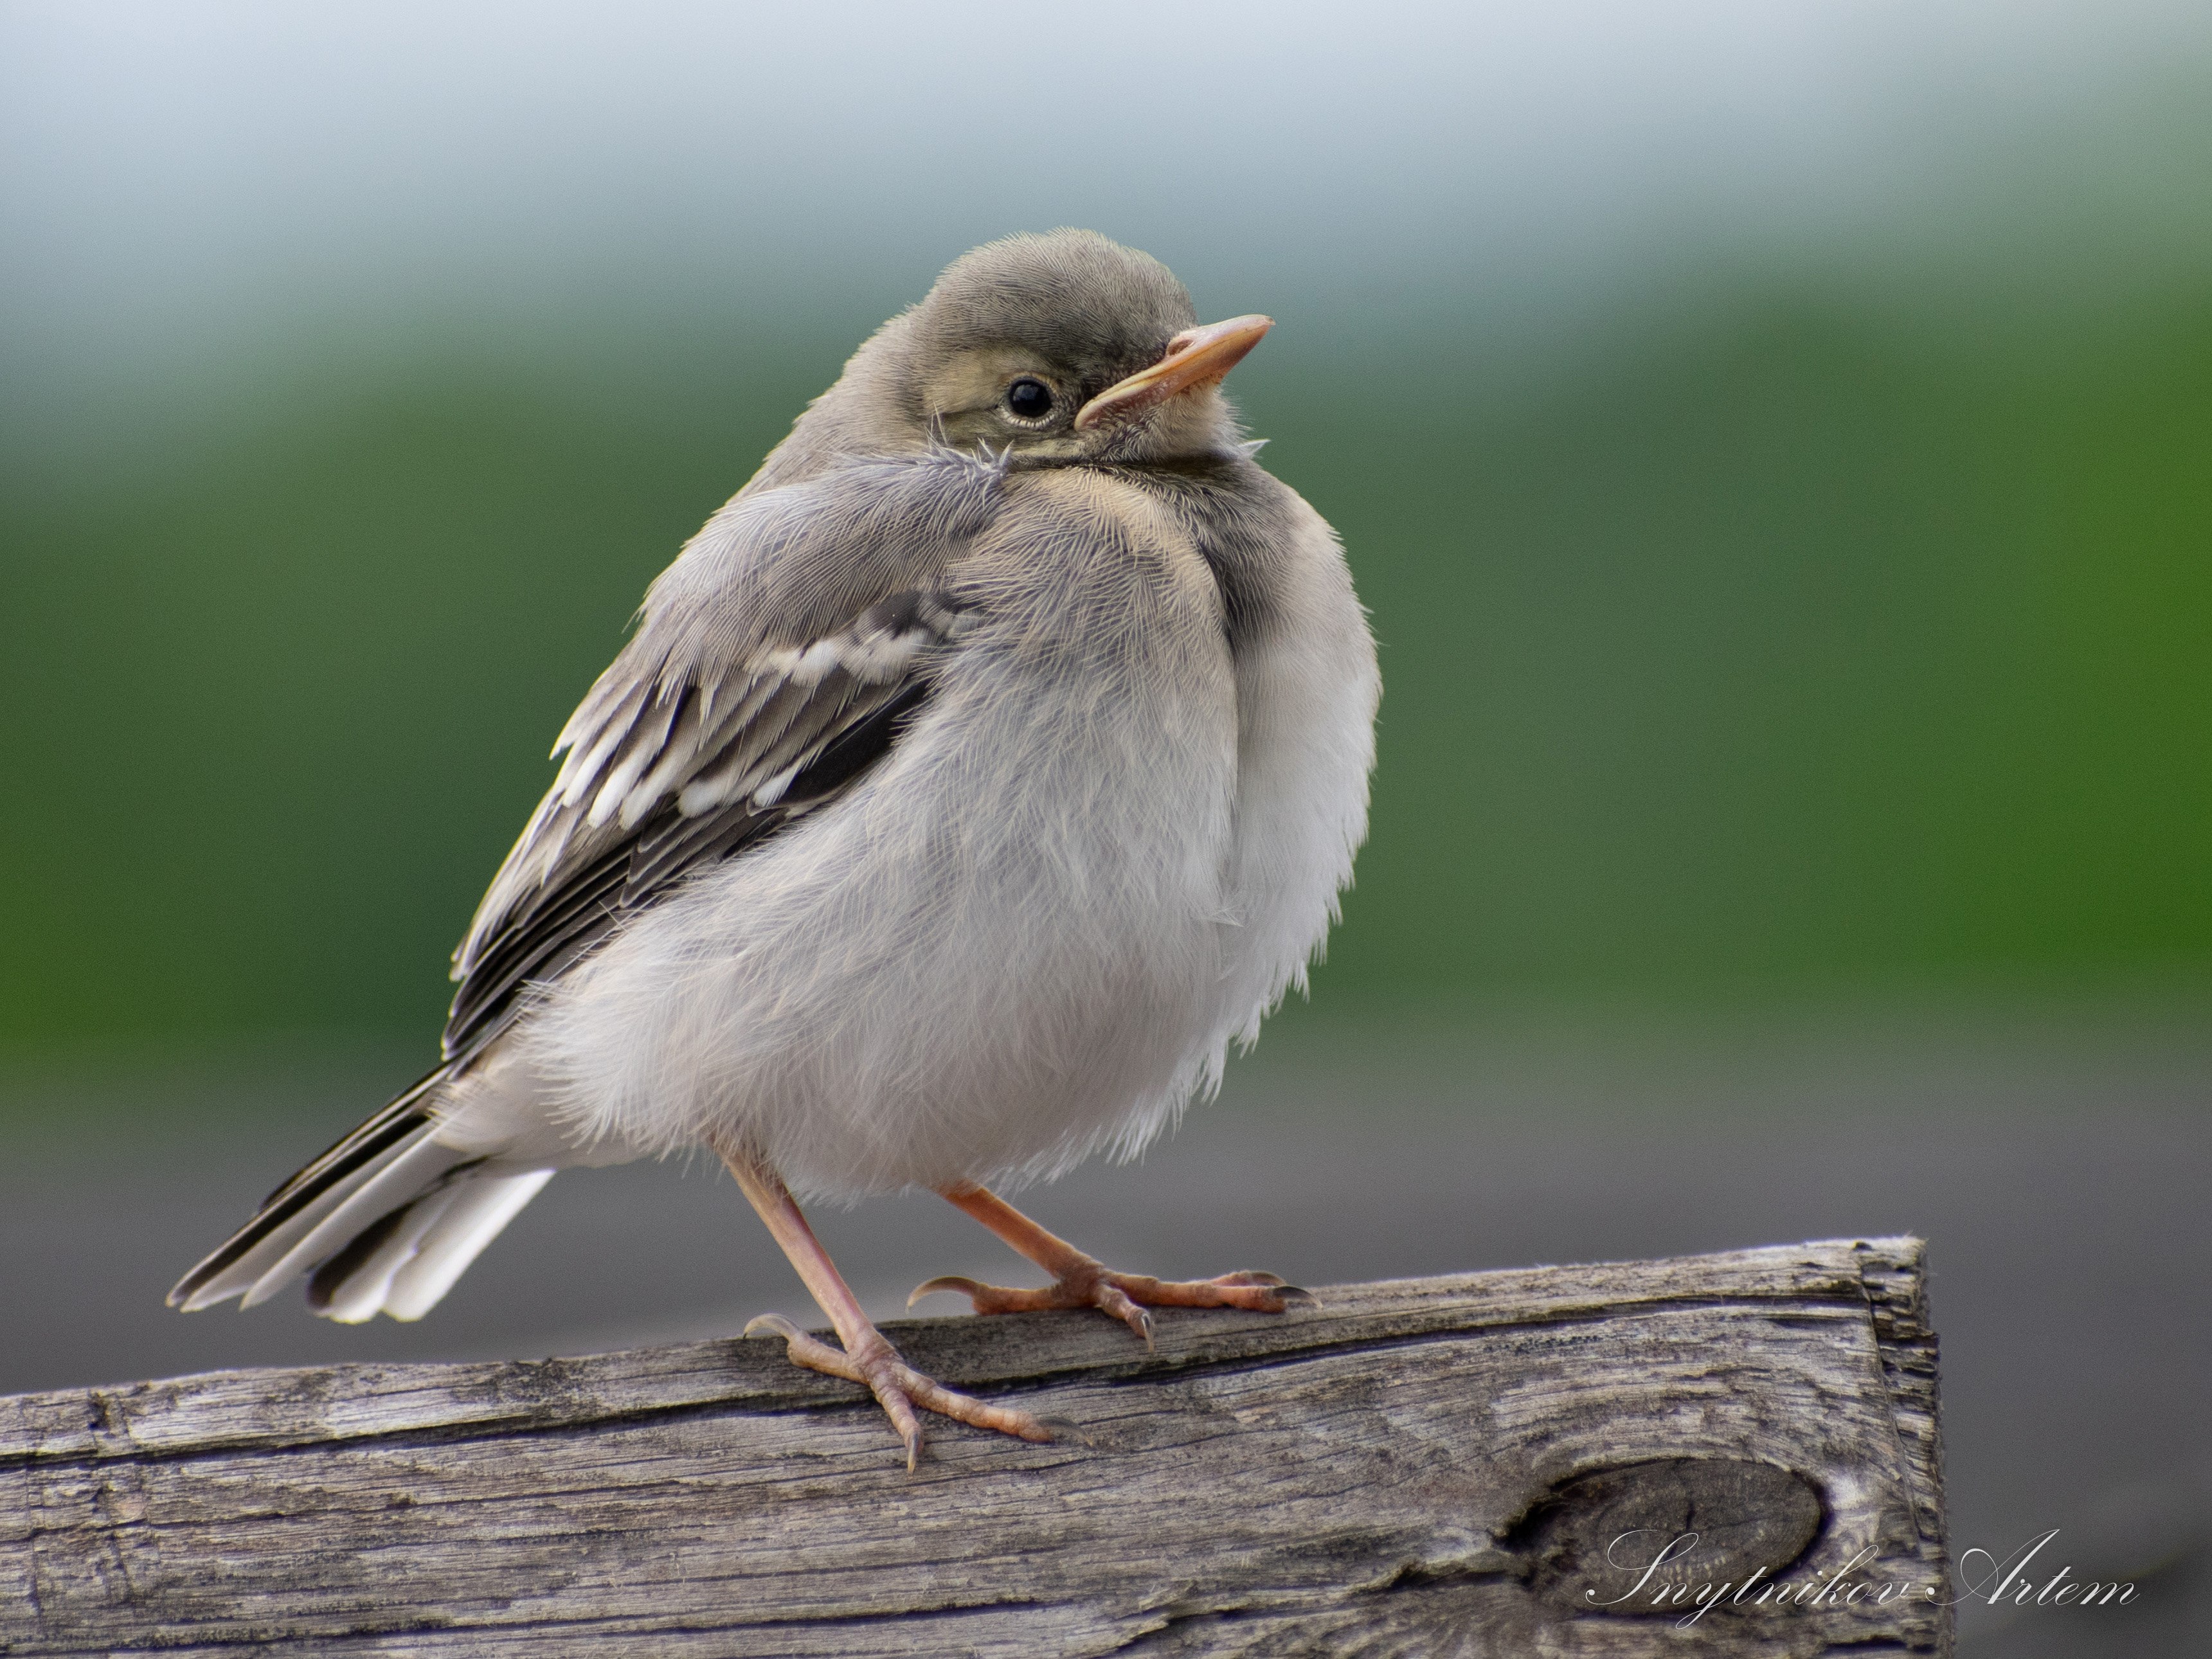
x: 682, y: 773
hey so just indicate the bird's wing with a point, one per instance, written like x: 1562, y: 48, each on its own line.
x: 773, y: 662
x: 780, y: 657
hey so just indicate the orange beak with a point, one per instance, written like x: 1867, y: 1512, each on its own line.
x: 1197, y: 356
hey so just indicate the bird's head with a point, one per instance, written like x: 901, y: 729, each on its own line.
x: 1060, y: 348
x: 1071, y: 347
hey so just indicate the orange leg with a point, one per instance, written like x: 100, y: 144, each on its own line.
x: 867, y: 1358
x: 1082, y: 1281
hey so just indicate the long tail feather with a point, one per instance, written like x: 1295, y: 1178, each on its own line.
x: 385, y: 1221
x: 406, y: 1270
x: 293, y: 1210
x: 415, y: 1167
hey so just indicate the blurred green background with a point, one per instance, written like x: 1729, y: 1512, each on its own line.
x: 1808, y: 592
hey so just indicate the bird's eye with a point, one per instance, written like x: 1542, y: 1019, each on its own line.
x: 1028, y: 399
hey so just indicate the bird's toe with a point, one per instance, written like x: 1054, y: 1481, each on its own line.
x: 1110, y: 1298
x: 903, y: 1392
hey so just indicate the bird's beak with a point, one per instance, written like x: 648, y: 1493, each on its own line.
x: 1197, y: 356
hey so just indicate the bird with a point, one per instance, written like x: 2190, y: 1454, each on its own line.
x: 984, y: 769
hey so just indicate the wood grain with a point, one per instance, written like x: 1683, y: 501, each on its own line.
x: 1472, y: 1465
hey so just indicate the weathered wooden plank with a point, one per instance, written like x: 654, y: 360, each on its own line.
x: 1425, y: 1466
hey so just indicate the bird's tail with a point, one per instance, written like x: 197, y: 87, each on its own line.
x: 384, y: 1222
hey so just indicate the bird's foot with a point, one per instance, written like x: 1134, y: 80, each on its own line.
x: 898, y: 1388
x: 1125, y: 1296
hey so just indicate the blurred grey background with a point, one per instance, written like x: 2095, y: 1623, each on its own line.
x: 1775, y: 442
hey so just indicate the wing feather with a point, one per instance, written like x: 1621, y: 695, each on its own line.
x: 672, y: 783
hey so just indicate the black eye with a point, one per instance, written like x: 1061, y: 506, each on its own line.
x: 1030, y: 400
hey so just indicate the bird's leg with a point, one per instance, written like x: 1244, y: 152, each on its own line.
x: 1082, y: 1281
x: 866, y: 1358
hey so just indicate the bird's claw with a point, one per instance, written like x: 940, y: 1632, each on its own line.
x: 900, y: 1390
x: 1109, y: 1299
x: 1125, y: 1297
x: 804, y: 1350
x: 1289, y: 1295
x: 970, y: 1288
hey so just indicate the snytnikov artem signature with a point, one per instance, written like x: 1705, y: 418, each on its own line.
x: 2013, y: 1582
